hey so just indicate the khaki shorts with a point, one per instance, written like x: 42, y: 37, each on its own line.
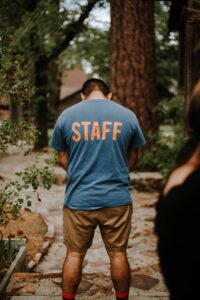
x: 114, y: 224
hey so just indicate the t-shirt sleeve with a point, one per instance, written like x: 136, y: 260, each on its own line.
x: 58, y: 141
x: 137, y: 140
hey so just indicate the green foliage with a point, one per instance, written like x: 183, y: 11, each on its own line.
x: 90, y: 50
x: 16, y: 133
x: 11, y: 251
x: 167, y: 142
x: 171, y: 112
x: 14, y: 82
x: 52, y: 160
x: 20, y: 192
x: 37, y: 33
x: 36, y: 177
x: 167, y: 53
x: 8, y: 252
x: 33, y: 34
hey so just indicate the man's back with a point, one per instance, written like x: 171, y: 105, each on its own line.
x: 97, y: 140
x: 97, y: 134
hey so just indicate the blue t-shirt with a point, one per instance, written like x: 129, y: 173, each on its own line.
x: 97, y: 134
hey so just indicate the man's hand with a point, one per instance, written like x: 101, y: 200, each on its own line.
x: 133, y: 156
x: 63, y: 159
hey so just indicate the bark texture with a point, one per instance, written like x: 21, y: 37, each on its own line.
x: 192, y: 48
x: 133, y: 58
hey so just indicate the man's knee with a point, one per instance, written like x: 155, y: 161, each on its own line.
x: 73, y: 255
x: 117, y: 256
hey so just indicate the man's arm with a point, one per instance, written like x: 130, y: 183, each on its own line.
x: 133, y: 156
x: 63, y: 159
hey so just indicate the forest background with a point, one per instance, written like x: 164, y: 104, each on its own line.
x: 40, y: 39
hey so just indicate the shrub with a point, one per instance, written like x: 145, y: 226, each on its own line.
x: 11, y: 196
x: 168, y: 140
x: 16, y: 134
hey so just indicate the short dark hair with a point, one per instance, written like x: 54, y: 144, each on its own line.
x: 95, y: 84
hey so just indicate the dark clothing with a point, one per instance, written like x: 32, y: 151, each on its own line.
x: 177, y: 225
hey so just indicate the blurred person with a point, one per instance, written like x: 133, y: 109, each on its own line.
x: 178, y: 214
x: 97, y: 141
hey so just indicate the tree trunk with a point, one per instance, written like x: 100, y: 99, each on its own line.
x: 192, y: 48
x: 41, y: 102
x: 133, y: 58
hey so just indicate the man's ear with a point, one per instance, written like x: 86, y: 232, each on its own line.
x: 83, y: 96
x: 109, y: 96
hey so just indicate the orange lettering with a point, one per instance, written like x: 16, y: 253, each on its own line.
x: 105, y: 129
x: 95, y: 131
x: 85, y: 125
x: 75, y: 130
x: 116, y: 130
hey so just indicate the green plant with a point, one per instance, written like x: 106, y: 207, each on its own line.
x: 16, y: 134
x: 168, y: 140
x: 11, y: 250
x: 18, y: 192
x: 8, y: 252
x: 2, y: 246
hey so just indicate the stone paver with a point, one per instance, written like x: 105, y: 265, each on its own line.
x: 147, y: 282
x: 104, y: 298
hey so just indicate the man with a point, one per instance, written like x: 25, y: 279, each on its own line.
x: 98, y: 141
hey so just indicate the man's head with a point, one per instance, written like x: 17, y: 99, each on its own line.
x: 95, y: 88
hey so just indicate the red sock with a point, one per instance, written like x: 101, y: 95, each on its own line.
x: 122, y: 296
x: 68, y: 296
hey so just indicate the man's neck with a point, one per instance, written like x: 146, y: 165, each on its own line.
x: 96, y: 95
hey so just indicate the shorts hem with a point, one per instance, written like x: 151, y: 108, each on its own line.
x: 74, y: 249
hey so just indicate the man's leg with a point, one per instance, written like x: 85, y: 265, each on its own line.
x: 120, y: 272
x: 72, y: 272
x: 78, y: 232
x: 115, y: 226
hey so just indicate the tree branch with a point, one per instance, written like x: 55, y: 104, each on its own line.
x: 73, y: 29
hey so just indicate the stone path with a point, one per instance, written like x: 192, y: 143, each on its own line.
x: 147, y: 282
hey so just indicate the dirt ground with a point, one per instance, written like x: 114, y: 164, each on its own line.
x: 31, y: 226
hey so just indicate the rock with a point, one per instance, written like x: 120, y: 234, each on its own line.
x: 31, y: 264
x: 24, y: 276
x: 85, y: 285
x: 28, y: 289
x: 47, y: 288
x: 150, y: 270
x: 23, y: 284
x: 53, y: 274
x: 50, y: 232
x: 143, y: 282
x: 45, y: 246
